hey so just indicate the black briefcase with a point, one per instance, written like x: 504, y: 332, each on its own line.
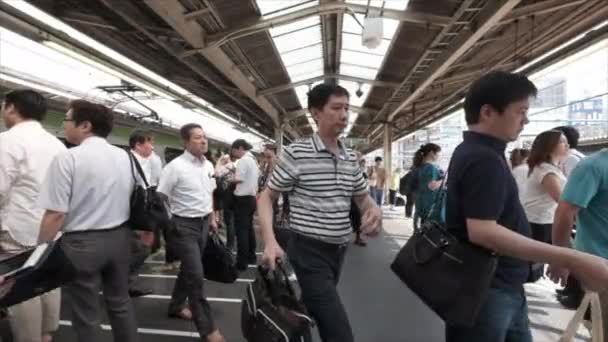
x: 271, y: 311
x: 452, y: 277
x: 148, y: 213
x: 50, y: 270
x: 218, y: 262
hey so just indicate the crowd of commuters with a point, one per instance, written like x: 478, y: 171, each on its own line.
x: 524, y: 211
x: 82, y: 196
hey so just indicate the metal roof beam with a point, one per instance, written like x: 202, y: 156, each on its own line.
x: 173, y: 13
x: 197, y: 14
x: 538, y: 8
x: 284, y: 87
x: 541, y: 43
x: 301, y: 112
x: 488, y: 17
x: 411, y: 16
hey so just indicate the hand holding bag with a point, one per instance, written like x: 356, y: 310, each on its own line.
x: 271, y: 312
x: 450, y: 276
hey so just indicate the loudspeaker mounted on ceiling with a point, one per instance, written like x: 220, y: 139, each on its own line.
x: 372, y: 32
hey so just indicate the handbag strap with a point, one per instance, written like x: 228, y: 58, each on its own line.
x: 591, y: 299
x: 438, y: 198
x: 278, y: 275
x: 139, y: 169
x: 283, y: 273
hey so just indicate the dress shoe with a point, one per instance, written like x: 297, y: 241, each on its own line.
x: 134, y: 293
x: 184, y: 314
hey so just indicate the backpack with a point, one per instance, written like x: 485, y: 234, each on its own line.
x: 409, y: 183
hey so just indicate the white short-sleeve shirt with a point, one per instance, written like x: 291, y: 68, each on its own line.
x: 538, y: 204
x: 26, y: 152
x: 151, y: 166
x: 574, y: 157
x: 248, y: 172
x: 92, y: 184
x: 188, y: 182
x: 520, y: 173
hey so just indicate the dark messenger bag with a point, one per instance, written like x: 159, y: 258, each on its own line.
x: 50, y: 270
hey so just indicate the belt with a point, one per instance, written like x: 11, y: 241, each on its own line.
x: 105, y: 230
x: 319, y: 243
x: 199, y: 218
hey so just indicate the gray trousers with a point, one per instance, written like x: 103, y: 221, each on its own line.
x: 101, y: 259
x: 188, y: 239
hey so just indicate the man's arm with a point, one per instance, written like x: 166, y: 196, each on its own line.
x: 493, y: 236
x: 52, y: 221
x: 284, y: 178
x: 591, y: 270
x: 272, y: 250
x: 371, y: 215
x: 9, y: 170
x: 563, y: 223
x: 55, y: 195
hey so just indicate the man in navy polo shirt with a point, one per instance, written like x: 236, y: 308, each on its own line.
x: 483, y: 206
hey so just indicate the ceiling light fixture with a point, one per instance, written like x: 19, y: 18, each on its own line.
x: 97, y: 65
x: 29, y: 84
x: 57, y: 24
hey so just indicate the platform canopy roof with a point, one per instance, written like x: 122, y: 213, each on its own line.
x: 255, y: 60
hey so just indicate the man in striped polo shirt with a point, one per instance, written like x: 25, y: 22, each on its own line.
x: 321, y: 177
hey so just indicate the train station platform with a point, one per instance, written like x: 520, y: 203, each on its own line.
x: 380, y: 307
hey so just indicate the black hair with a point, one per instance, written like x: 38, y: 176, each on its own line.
x: 320, y: 94
x: 28, y: 103
x: 543, y: 146
x: 497, y: 89
x: 238, y: 143
x: 139, y: 136
x: 100, y: 117
x: 377, y: 159
x: 424, y: 151
x: 186, y: 131
x: 571, y: 133
x: 271, y: 147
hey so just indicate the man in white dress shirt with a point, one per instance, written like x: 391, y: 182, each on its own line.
x: 246, y: 179
x: 574, y: 156
x: 86, y: 195
x: 187, y: 183
x: 26, y: 151
x: 142, y: 147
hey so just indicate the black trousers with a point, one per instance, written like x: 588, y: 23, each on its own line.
x: 392, y: 196
x: 409, y: 204
x: 318, y: 266
x: 541, y: 232
x: 355, y: 217
x: 244, y: 208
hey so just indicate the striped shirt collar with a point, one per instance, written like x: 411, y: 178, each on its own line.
x: 319, y: 146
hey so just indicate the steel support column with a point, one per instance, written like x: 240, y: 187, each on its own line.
x: 388, y: 154
x: 278, y: 137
